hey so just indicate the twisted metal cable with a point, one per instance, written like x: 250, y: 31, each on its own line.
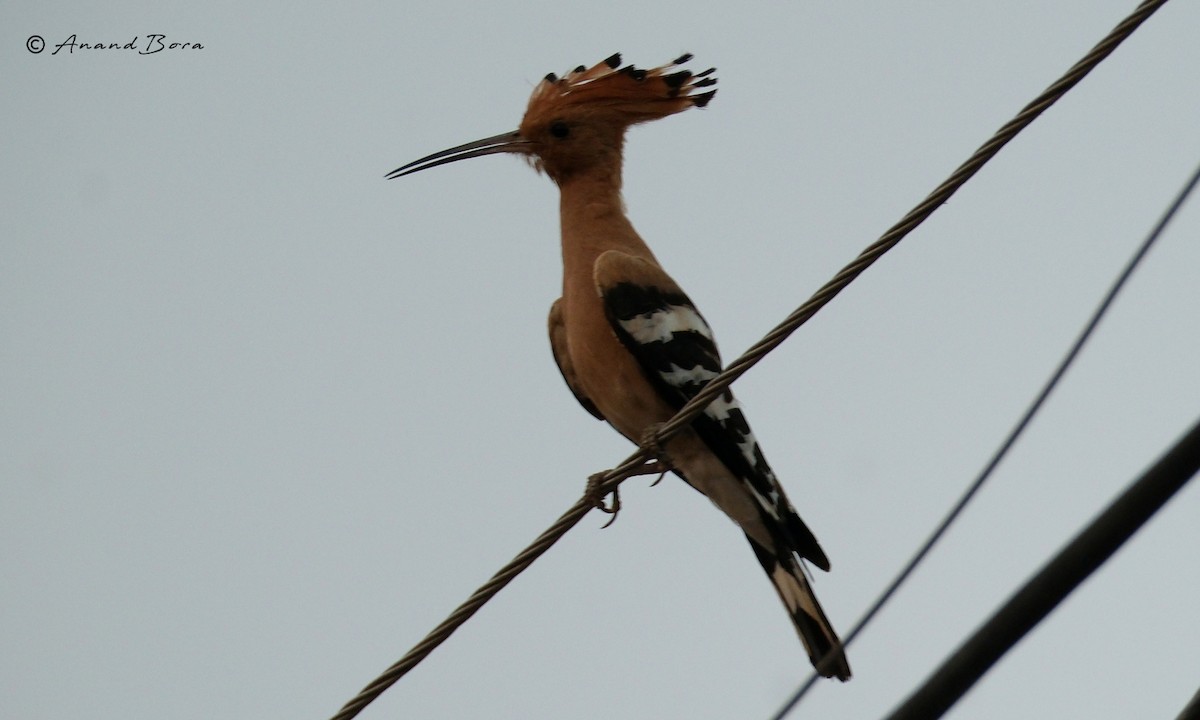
x: 611, y: 479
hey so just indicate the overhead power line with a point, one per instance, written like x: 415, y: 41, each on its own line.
x: 1042, y: 593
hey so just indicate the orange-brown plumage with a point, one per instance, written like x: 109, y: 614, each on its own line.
x: 618, y: 95
x: 596, y: 105
x: 628, y: 341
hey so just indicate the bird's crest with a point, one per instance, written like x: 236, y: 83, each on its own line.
x: 628, y: 94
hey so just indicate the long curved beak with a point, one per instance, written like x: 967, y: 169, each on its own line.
x: 504, y: 142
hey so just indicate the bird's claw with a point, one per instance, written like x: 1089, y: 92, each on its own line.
x: 662, y: 462
x: 661, y: 465
x: 595, y: 494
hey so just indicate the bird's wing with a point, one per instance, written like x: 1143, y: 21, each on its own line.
x: 657, y: 322
x: 558, y: 345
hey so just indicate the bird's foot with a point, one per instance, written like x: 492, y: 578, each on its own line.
x: 596, y: 495
x: 662, y: 462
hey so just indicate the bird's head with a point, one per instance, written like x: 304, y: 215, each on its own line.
x: 577, y: 122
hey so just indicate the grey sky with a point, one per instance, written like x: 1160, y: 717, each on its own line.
x: 267, y: 417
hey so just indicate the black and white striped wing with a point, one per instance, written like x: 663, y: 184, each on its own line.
x: 675, y: 347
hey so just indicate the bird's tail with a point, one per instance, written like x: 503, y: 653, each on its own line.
x: 814, y: 628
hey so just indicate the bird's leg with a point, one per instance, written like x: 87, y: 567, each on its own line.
x: 595, y: 481
x: 594, y: 494
x: 662, y: 462
x: 660, y: 465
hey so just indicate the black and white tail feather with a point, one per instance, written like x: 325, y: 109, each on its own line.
x: 674, y: 345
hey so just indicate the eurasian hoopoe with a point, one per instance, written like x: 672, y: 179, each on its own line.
x: 630, y: 344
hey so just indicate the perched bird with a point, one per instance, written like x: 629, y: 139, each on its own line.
x: 630, y: 344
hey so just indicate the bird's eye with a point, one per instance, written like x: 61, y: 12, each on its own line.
x: 560, y: 130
